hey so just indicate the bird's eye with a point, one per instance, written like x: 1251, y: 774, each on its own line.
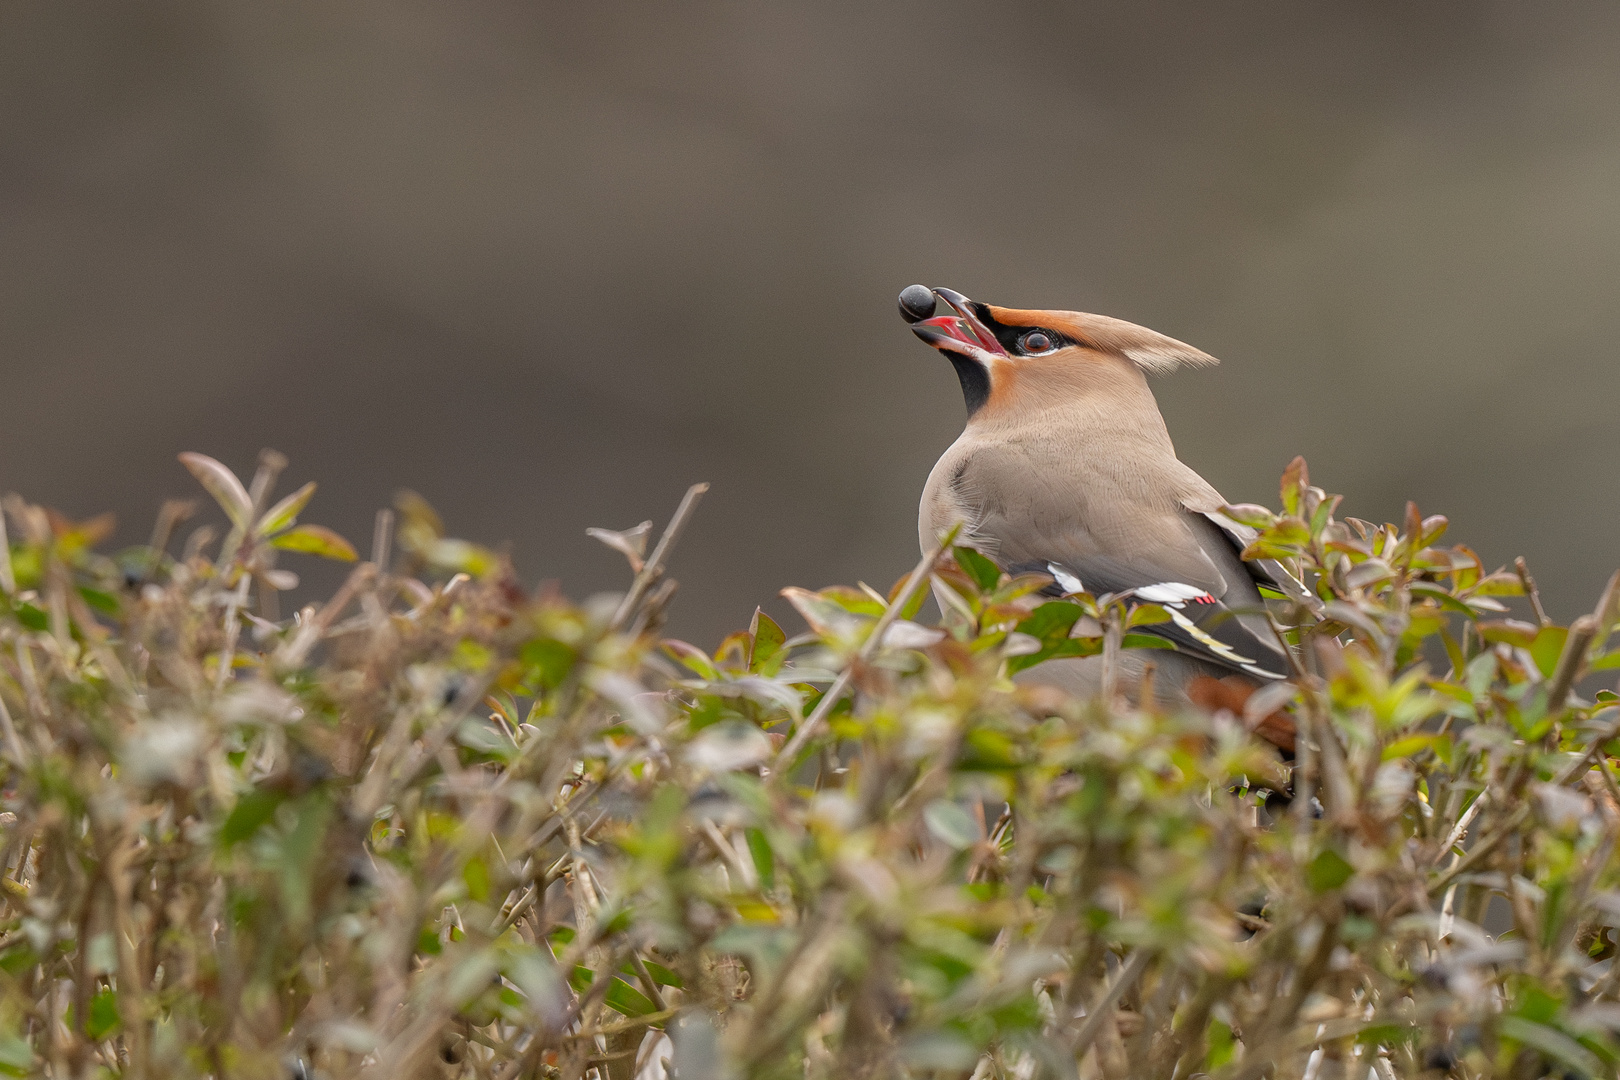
x: 1036, y: 341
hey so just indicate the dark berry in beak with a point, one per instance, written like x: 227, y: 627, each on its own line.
x: 916, y: 303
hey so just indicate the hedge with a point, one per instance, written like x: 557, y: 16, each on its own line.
x: 443, y: 825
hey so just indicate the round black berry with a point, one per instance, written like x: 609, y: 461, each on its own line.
x: 916, y: 303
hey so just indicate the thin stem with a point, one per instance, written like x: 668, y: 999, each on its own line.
x: 1477, y: 854
x: 14, y: 744
x: 1103, y: 1007
x: 1113, y: 637
x: 1531, y: 591
x: 1571, y: 660
x: 648, y: 983
x: 654, y: 567
x: 233, y: 628
x: 382, y: 539
x: 8, y: 580
x: 1461, y: 829
x: 824, y: 707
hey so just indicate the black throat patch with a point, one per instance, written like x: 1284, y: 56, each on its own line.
x: 974, y: 379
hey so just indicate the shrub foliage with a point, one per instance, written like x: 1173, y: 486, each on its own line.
x: 443, y: 826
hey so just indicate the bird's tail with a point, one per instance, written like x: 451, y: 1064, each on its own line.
x: 1232, y: 693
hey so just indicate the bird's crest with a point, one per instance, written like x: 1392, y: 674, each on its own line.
x: 1153, y: 352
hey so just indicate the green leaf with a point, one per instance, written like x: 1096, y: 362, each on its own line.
x: 27, y: 564
x: 460, y: 557
x: 1059, y: 648
x: 485, y: 737
x: 32, y: 617
x: 1509, y: 632
x: 623, y: 998
x: 913, y: 605
x: 1147, y: 615
x: 1388, y: 1033
x: 476, y: 877
x: 285, y: 513
x: 1499, y: 585
x: 1082, y: 646
x: 1250, y: 514
x: 693, y: 658
x: 1434, y: 527
x: 1222, y: 1045
x: 854, y: 601
x: 1412, y: 744
x: 316, y: 540
x: 18, y: 958
x: 1443, y: 598
x: 1265, y: 549
x: 1552, y: 1042
x: 470, y: 655
x: 951, y: 824
x: 764, y: 860
x: 222, y: 484
x: 250, y: 812
x: 1323, y: 513
x: 988, y: 749
x: 1546, y: 648
x: 709, y: 709
x: 985, y: 574
x: 620, y: 997
x: 103, y: 1018
x: 1287, y: 532
x: 661, y: 975
x: 16, y: 1056
x: 106, y: 603
x: 1537, y: 1006
x: 550, y: 659
x: 1327, y: 871
x: 1145, y: 641
x: 1451, y: 690
x: 768, y: 640
x: 302, y: 848
x: 1294, y: 480
x: 1051, y: 620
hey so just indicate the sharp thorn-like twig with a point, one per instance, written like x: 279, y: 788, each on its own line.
x: 653, y: 569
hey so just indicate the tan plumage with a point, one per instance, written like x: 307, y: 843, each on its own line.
x: 1065, y: 465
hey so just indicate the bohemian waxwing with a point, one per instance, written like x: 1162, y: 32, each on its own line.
x: 1065, y: 468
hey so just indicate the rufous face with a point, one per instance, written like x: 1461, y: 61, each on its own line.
x: 996, y: 349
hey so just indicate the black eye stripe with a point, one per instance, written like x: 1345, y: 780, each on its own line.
x: 1011, y: 337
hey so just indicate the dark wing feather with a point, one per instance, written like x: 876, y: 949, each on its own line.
x: 1200, y: 624
x: 1268, y: 573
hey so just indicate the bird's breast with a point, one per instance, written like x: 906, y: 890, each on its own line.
x: 1044, y: 493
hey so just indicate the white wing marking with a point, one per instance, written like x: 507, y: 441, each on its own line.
x: 1068, y: 581
x: 1219, y: 648
x: 1172, y: 592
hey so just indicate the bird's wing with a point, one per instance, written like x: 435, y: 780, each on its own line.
x: 1226, y: 626
x: 1271, y: 576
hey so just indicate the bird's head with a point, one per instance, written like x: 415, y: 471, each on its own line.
x: 1004, y: 354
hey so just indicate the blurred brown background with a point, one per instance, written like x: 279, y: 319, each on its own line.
x: 549, y: 262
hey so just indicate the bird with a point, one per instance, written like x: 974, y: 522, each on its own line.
x: 1065, y: 468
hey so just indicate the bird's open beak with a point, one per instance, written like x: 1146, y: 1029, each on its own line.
x: 963, y: 332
